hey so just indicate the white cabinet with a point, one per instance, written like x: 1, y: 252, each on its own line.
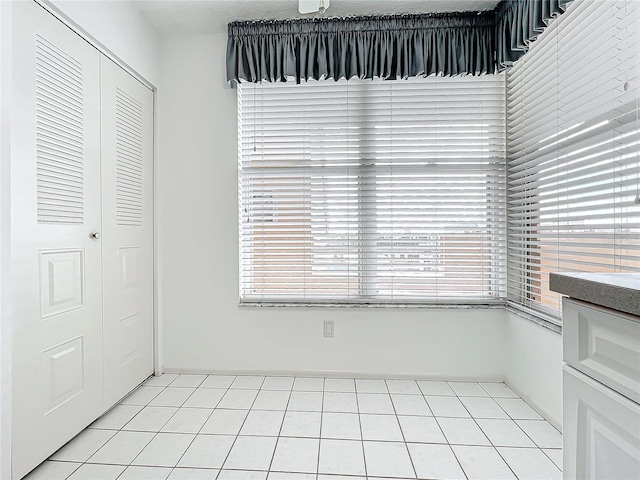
x: 601, y: 378
x: 601, y: 430
x: 81, y: 234
x: 604, y: 344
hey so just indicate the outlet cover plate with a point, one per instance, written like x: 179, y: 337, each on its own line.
x: 328, y: 328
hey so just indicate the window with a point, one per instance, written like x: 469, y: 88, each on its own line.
x: 573, y: 141
x: 373, y: 191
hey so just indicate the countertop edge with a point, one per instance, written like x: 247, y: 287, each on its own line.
x: 616, y: 297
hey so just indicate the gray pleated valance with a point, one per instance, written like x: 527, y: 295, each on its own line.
x: 518, y: 23
x: 389, y: 46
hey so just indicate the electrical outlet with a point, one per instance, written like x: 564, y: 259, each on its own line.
x: 328, y: 328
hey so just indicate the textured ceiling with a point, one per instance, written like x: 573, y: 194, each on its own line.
x: 211, y: 16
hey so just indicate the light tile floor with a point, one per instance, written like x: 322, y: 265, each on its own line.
x: 182, y: 427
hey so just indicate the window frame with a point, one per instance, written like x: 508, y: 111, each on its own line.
x: 366, y: 185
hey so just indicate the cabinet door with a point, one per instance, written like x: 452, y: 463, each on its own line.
x: 604, y: 344
x: 127, y: 227
x: 55, y: 207
x: 601, y: 431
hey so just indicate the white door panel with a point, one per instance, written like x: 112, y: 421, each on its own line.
x: 56, y: 266
x: 127, y: 201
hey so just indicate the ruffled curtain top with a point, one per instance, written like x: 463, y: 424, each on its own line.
x: 518, y: 23
x: 387, y: 47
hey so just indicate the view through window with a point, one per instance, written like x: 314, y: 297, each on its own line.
x: 398, y: 191
x: 373, y: 191
x: 573, y: 106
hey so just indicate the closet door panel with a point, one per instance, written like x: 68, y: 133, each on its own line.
x: 57, y: 370
x: 127, y: 200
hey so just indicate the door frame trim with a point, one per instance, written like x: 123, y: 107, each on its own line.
x: 6, y: 325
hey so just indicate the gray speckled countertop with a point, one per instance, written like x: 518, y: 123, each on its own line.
x: 619, y: 291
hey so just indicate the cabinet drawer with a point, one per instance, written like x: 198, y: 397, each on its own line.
x: 601, y: 431
x: 604, y: 344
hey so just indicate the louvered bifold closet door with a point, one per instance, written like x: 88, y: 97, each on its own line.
x: 127, y: 219
x: 573, y: 151
x: 373, y: 191
x: 55, y: 282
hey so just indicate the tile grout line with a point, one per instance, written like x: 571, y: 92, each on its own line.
x: 160, y: 429
x: 275, y: 447
x: 203, y: 424
x: 74, y: 470
x: 322, y: 413
x: 121, y: 429
x: 243, y: 422
x: 86, y: 462
x: 517, y: 397
x: 364, y: 455
x: 491, y: 443
x: 324, y: 382
x: 406, y: 446
x: 475, y: 420
x: 547, y: 455
x: 167, y: 421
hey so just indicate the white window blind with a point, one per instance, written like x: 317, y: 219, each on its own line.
x: 373, y: 191
x: 573, y: 137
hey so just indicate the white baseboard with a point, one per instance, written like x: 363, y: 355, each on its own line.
x: 336, y: 374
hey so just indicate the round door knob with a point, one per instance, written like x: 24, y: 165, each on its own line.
x: 95, y: 235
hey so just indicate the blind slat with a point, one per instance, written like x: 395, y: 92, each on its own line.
x: 373, y: 191
x: 573, y: 136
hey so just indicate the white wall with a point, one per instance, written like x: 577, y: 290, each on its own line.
x: 204, y: 329
x: 5, y: 234
x: 120, y: 28
x: 534, y: 367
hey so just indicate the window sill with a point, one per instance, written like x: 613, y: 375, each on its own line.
x: 531, y: 316
x: 369, y: 305
x: 545, y: 322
